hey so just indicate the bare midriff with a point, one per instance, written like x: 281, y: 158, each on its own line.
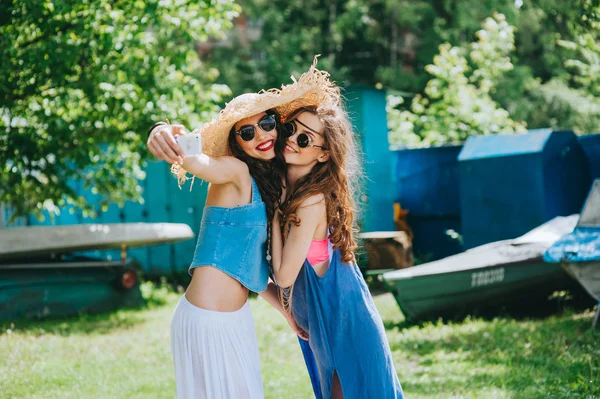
x: 211, y: 289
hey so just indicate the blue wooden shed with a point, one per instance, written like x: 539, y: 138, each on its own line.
x: 510, y: 184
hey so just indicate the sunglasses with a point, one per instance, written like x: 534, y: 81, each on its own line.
x: 303, y: 140
x: 266, y: 124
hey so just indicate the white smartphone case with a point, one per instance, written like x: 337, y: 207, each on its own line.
x: 191, y: 144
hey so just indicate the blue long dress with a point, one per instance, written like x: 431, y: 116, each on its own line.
x: 346, y: 333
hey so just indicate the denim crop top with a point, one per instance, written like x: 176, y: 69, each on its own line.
x: 234, y: 240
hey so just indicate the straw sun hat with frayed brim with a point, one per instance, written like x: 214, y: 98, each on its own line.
x: 313, y: 88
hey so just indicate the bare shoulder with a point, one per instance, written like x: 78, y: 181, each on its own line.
x: 313, y: 205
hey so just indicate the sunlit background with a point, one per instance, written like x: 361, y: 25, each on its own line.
x: 479, y: 121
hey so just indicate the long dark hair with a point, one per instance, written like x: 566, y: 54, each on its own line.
x: 267, y: 174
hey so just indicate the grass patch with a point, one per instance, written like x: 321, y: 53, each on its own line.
x: 556, y: 357
x: 126, y: 354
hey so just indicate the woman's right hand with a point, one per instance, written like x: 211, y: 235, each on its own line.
x: 161, y: 142
x: 292, y: 322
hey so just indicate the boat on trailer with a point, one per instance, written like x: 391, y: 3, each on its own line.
x: 45, y: 272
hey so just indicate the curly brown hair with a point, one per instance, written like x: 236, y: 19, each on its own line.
x: 337, y: 179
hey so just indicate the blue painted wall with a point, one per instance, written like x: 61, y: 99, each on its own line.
x: 366, y: 107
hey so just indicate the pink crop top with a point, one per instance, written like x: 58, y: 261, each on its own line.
x: 318, y: 251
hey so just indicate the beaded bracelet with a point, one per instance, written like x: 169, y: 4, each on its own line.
x: 155, y: 125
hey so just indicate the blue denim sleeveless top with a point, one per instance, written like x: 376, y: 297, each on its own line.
x: 234, y: 240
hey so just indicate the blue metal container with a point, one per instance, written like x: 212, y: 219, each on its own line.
x: 426, y: 184
x: 426, y: 180
x: 591, y: 147
x: 510, y: 184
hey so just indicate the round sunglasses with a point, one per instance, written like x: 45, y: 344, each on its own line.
x: 303, y: 140
x: 266, y: 124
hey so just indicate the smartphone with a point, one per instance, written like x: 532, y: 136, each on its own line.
x: 191, y: 144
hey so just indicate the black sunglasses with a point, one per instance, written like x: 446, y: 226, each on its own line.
x: 247, y: 132
x: 303, y: 139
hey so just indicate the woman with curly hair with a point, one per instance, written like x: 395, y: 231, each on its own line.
x: 320, y: 283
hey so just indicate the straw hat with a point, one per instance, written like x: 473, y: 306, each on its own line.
x: 313, y: 88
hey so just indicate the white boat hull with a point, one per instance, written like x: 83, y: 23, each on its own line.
x: 23, y: 242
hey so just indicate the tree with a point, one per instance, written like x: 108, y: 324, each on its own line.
x: 292, y: 33
x: 457, y: 100
x: 361, y: 41
x: 80, y: 82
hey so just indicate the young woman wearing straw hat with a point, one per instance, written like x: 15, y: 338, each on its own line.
x: 315, y: 268
x: 212, y: 332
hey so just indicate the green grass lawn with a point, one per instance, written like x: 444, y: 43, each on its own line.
x: 126, y: 354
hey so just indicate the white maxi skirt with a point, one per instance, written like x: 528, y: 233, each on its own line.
x: 215, y: 353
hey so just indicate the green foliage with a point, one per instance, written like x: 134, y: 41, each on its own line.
x: 574, y: 96
x: 556, y: 104
x: 361, y: 41
x: 457, y: 100
x: 155, y: 294
x: 554, y: 83
x: 584, y: 65
x: 80, y: 82
x: 292, y: 33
